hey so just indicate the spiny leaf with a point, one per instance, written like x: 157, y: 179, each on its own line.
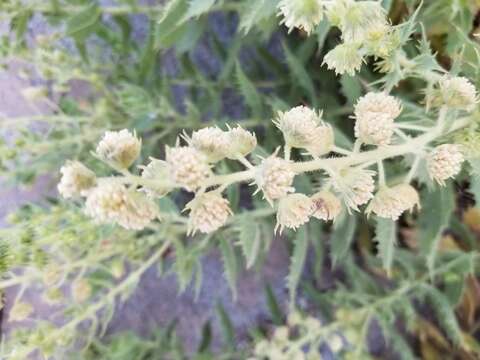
x: 445, y: 314
x: 249, y: 238
x: 437, y: 207
x: 297, y: 261
x: 255, y: 12
x: 168, y: 29
x: 342, y: 236
x: 230, y: 264
x: 197, y: 8
x: 248, y: 90
x: 273, y: 306
x: 385, y: 235
x: 351, y: 88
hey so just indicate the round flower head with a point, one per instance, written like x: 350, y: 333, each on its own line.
x: 189, y: 167
x: 458, y: 93
x: 344, y: 59
x: 375, y: 114
x: 357, y: 20
x: 111, y: 202
x: 469, y: 141
x: 293, y: 211
x: 76, y: 179
x: 159, y: 172
x: 120, y: 148
x: 208, y: 213
x: 374, y: 129
x: 301, y: 14
x: 20, y: 311
x: 210, y: 141
x: 391, y: 202
x: 444, y: 162
x: 81, y: 290
x: 355, y: 185
x: 240, y: 142
x: 327, y: 205
x: 303, y: 127
x: 275, y: 178
x: 378, y: 102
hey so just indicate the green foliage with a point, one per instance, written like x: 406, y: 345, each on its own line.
x: 154, y: 79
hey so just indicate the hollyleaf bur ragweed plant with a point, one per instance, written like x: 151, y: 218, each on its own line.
x: 354, y: 120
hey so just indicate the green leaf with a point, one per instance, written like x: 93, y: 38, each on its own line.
x: 248, y: 91
x: 168, y: 30
x: 228, y: 332
x: 437, y: 207
x: 273, y: 307
x: 385, y: 235
x: 475, y: 179
x: 249, y: 238
x: 197, y: 8
x: 230, y: 264
x: 82, y: 23
x: 342, y: 236
x: 256, y: 11
x: 351, y: 88
x: 299, y: 74
x: 297, y: 262
x: 445, y: 313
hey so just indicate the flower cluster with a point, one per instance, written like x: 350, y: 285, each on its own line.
x: 348, y: 181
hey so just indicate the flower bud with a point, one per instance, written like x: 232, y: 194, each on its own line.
x: 212, y: 142
x: 355, y: 185
x: 457, y: 93
x: 293, y: 211
x: 20, y: 311
x: 391, y: 202
x: 275, y: 178
x: 301, y: 14
x: 189, y: 167
x: 157, y: 172
x: 76, y: 179
x: 208, y: 212
x: 81, y: 290
x: 120, y: 148
x: 344, y: 59
x: 240, y: 142
x: 304, y: 128
x: 444, y: 162
x: 327, y: 205
x: 113, y: 202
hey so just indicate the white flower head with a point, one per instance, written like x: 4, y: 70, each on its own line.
x: 81, y: 290
x: 120, y: 148
x: 344, y: 59
x: 358, y: 20
x: 275, y: 178
x: 301, y: 14
x: 20, y: 311
x: 189, y: 167
x: 327, y: 205
x: 391, y: 202
x: 444, y: 162
x: 355, y: 186
x: 208, y: 212
x: 294, y: 210
x: 240, y: 142
x: 76, y: 180
x: 375, y: 114
x: 212, y: 142
x: 458, y: 93
x: 158, y: 173
x: 111, y: 202
x: 378, y: 102
x: 303, y: 127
